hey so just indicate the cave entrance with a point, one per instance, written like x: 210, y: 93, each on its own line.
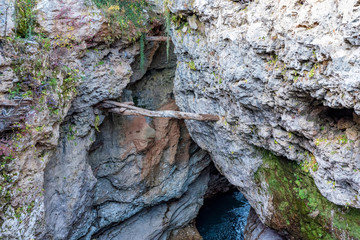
x: 223, y: 216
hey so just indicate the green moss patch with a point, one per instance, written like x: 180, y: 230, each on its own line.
x: 300, y: 209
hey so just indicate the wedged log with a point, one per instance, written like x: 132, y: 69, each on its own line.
x: 130, y: 109
x: 157, y: 38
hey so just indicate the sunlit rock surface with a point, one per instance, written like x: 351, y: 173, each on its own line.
x: 283, y: 74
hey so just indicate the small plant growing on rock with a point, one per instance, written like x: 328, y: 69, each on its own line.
x: 15, y: 92
x: 296, y: 76
x: 191, y: 65
x: 312, y: 164
x: 318, y: 141
x: 312, y: 71
x: 273, y: 60
x: 71, y: 132
x: 97, y: 123
x: 343, y: 139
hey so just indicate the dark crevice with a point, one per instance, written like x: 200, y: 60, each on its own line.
x: 316, y: 110
x: 225, y: 210
x: 337, y: 114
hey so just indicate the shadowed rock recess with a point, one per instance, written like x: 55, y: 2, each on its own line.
x: 282, y: 75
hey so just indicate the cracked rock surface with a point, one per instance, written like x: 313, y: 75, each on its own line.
x: 283, y: 74
x: 78, y: 172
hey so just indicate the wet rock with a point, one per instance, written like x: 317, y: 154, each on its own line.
x: 256, y: 230
x: 69, y: 190
x: 189, y: 232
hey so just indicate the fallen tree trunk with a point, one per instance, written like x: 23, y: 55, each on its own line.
x: 130, y: 109
x: 157, y: 38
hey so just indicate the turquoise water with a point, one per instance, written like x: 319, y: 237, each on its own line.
x: 223, y: 217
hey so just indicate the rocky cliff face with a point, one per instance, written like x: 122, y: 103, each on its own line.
x: 71, y: 171
x: 283, y: 74
x: 132, y: 164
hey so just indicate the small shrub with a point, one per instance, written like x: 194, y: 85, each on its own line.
x: 25, y: 18
x: 131, y: 19
x: 127, y: 18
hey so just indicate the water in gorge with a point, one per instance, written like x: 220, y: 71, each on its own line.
x: 223, y: 217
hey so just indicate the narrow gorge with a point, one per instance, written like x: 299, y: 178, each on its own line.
x: 276, y: 156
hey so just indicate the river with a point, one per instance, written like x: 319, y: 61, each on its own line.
x: 223, y: 217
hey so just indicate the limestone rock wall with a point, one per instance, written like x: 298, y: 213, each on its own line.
x: 283, y: 74
x: 70, y: 171
x: 30, y: 129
